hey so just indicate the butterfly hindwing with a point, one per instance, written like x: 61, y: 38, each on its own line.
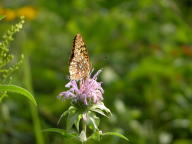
x: 79, y: 65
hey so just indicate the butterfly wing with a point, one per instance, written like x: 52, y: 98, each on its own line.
x: 79, y: 66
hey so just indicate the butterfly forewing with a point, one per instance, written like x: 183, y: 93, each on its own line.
x: 79, y: 66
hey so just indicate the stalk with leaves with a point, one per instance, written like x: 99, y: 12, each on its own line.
x: 86, y: 96
x: 8, y: 66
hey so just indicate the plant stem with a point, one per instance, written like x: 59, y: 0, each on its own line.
x: 84, y: 126
x: 34, y: 112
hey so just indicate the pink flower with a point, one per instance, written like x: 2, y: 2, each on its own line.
x: 85, y: 90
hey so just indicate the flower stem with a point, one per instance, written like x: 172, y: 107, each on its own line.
x: 83, y: 135
x: 84, y: 126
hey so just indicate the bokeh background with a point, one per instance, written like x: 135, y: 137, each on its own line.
x: 144, y: 48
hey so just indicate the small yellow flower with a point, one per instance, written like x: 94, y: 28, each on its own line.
x: 9, y: 14
x: 27, y: 11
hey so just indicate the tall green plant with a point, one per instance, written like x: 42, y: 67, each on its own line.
x: 8, y: 66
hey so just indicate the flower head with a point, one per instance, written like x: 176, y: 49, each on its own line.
x: 85, y: 90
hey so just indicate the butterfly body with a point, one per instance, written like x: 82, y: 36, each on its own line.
x: 79, y: 65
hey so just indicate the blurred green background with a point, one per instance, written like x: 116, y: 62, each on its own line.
x: 143, y: 46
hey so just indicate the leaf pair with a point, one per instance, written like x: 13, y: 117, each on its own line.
x: 89, y: 119
x: 95, y: 136
x: 100, y: 108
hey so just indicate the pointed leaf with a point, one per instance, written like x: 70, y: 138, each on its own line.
x: 71, y: 120
x: 60, y: 131
x: 19, y: 90
x: 93, y: 121
x: 70, y: 109
x: 77, y: 121
x: 116, y: 134
x: 100, y: 112
x: 101, y: 107
x: 62, y: 115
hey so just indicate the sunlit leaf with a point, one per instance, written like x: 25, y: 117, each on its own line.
x: 116, y: 134
x: 100, y: 107
x: 93, y: 121
x: 19, y: 90
x: 100, y: 112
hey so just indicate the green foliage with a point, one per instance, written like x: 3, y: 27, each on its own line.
x: 87, y: 116
x: 144, y: 48
x: 116, y: 134
x: 6, y: 67
x: 60, y: 131
x: 100, y: 108
x: 19, y: 90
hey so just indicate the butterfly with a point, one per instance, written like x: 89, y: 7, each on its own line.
x: 79, y: 63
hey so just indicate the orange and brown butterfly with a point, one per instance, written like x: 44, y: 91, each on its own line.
x: 79, y: 64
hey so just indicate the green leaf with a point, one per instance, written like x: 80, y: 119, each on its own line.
x: 2, y: 17
x: 100, y: 107
x: 116, y: 134
x: 93, y: 121
x: 77, y: 121
x: 100, y: 112
x: 62, y: 115
x: 20, y: 90
x: 60, y: 131
x: 71, y: 120
x: 70, y: 109
x: 96, y: 135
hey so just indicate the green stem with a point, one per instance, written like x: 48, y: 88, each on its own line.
x: 84, y: 127
x: 34, y: 111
